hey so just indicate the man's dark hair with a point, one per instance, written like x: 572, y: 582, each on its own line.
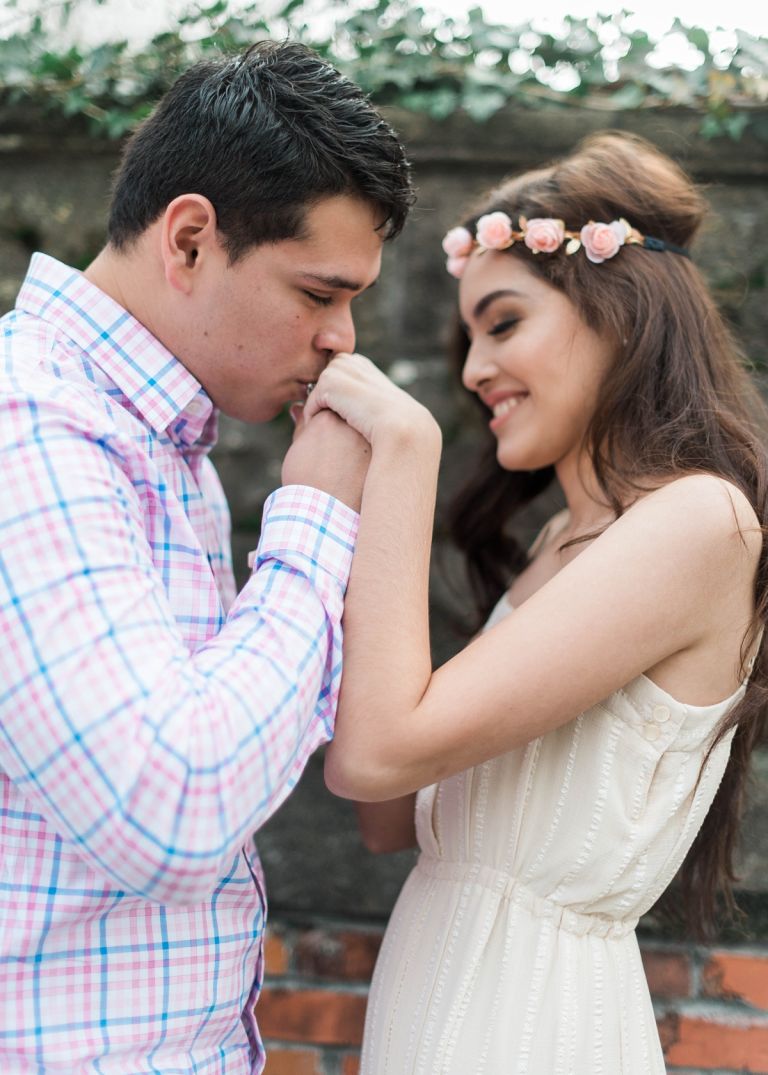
x: 263, y: 135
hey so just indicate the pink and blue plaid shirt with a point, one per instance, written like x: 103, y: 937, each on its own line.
x: 150, y: 720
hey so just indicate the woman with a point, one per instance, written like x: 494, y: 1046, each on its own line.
x: 564, y: 762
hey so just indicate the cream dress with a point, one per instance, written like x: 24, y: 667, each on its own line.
x: 512, y: 948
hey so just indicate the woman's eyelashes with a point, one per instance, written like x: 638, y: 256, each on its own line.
x: 321, y: 300
x: 503, y: 326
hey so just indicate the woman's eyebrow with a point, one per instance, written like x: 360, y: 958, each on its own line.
x: 482, y: 305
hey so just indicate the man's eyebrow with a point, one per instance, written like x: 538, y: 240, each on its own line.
x: 337, y: 282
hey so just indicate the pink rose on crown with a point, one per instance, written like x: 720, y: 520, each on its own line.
x: 544, y: 235
x: 494, y: 231
x: 603, y: 241
x: 458, y: 243
x: 456, y: 266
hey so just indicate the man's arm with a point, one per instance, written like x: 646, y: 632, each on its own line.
x: 157, y: 764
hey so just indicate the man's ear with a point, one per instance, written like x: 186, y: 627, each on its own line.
x: 188, y: 240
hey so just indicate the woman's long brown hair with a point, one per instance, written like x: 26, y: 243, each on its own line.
x: 678, y: 400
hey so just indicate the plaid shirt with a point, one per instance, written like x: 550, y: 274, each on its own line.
x: 150, y: 719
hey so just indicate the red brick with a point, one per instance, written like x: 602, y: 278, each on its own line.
x: 344, y: 954
x: 293, y: 1062
x: 350, y: 1065
x: 668, y: 972
x: 275, y: 954
x: 713, y: 1045
x: 732, y: 975
x: 322, y: 1017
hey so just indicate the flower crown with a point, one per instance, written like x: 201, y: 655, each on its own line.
x: 545, y: 235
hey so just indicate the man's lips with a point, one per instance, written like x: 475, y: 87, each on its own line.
x: 304, y: 388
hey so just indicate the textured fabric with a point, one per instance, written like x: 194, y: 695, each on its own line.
x: 150, y: 720
x: 511, y: 950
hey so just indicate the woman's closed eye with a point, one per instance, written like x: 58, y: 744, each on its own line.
x: 501, y: 327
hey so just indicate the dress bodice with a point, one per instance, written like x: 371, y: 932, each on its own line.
x: 598, y: 814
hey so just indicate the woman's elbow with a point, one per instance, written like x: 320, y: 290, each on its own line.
x: 356, y: 778
x: 342, y: 781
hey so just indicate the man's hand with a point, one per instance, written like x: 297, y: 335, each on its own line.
x: 329, y: 455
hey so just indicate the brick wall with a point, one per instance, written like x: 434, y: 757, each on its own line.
x: 711, y: 1003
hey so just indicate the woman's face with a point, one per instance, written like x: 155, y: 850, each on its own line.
x: 532, y: 360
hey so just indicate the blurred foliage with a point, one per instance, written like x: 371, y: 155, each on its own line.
x: 401, y: 54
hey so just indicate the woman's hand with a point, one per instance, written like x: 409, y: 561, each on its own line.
x: 355, y: 389
x: 329, y: 455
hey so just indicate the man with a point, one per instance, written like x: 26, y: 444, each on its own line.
x: 151, y: 720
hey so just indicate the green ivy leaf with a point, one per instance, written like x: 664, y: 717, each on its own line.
x: 710, y: 127
x: 698, y: 37
x: 482, y: 105
x: 438, y: 104
x: 397, y: 54
x: 631, y: 95
x: 735, y: 125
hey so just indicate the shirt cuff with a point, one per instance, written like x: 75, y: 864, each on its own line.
x: 307, y: 529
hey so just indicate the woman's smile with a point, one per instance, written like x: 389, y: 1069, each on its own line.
x: 504, y: 409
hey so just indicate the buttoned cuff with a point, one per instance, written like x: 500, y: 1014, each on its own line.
x: 307, y: 529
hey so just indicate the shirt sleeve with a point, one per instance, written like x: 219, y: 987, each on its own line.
x: 156, y: 763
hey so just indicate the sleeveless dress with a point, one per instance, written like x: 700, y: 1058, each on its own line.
x: 512, y: 949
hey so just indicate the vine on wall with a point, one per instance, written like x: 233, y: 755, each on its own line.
x: 402, y: 54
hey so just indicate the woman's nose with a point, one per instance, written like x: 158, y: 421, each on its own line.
x: 478, y: 368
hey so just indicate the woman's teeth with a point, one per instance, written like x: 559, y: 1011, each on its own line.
x: 506, y: 405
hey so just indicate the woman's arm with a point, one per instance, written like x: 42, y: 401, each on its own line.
x: 388, y: 826
x: 673, y: 576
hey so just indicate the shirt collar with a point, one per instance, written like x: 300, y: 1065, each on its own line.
x: 161, y: 388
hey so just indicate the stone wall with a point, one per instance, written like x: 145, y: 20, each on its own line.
x: 329, y: 897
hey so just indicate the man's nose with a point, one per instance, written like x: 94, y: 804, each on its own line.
x: 337, y: 333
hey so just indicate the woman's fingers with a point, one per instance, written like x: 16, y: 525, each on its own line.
x: 360, y: 393
x: 344, y: 378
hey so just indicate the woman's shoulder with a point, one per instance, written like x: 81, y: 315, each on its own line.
x: 707, y: 502
x: 699, y: 519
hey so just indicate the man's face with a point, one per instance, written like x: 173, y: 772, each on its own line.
x: 268, y: 324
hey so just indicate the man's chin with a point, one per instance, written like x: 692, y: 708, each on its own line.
x: 254, y: 412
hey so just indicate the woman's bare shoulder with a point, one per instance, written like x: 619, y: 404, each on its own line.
x: 699, y: 516
x: 718, y: 502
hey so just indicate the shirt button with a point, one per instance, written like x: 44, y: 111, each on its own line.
x: 661, y: 714
x: 652, y: 731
